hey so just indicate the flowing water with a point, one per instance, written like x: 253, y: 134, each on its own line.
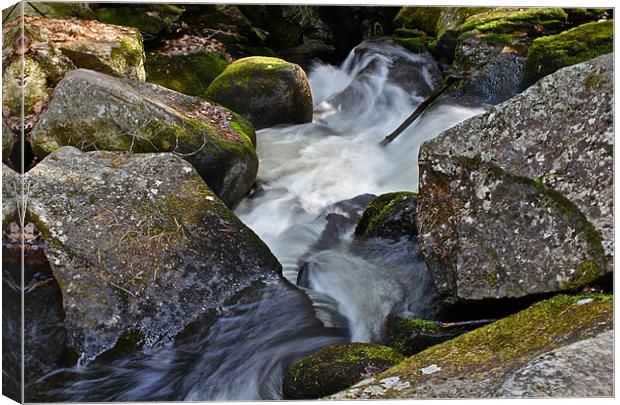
x: 306, y: 174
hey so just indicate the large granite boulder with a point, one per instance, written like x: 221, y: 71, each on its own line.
x: 139, y: 245
x: 265, y: 91
x: 93, y: 111
x: 519, y: 200
x: 485, y: 362
x: 52, y: 48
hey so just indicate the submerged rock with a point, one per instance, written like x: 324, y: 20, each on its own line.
x: 336, y: 367
x: 585, y: 42
x: 479, y: 363
x: 93, y: 111
x: 519, y: 200
x: 139, y: 245
x: 265, y: 91
x: 391, y: 215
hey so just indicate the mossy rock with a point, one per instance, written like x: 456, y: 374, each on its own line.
x: 422, y: 18
x: 186, y: 73
x: 508, y: 20
x: 411, y: 336
x: 64, y: 10
x: 93, y: 111
x: 265, y: 91
x: 476, y: 364
x: 150, y: 19
x: 391, y: 215
x: 226, y: 17
x: 582, y: 43
x: 335, y: 368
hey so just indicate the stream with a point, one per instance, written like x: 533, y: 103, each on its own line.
x: 309, y: 175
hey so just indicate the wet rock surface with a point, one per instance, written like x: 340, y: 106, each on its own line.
x: 518, y: 200
x: 478, y: 363
x: 391, y: 216
x: 265, y: 91
x: 93, y: 111
x: 175, y: 253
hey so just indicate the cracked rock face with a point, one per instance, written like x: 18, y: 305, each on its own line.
x: 519, y: 200
x: 138, y: 243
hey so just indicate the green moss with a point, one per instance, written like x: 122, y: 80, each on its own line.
x: 150, y: 19
x: 379, y: 210
x: 512, y: 19
x: 485, y: 353
x: 189, y: 74
x: 334, y: 368
x: 548, y: 54
x: 501, y: 39
x: 422, y: 18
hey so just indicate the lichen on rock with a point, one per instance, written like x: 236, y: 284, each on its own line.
x: 518, y: 201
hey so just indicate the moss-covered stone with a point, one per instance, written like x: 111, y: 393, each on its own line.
x: 477, y: 363
x: 186, y: 73
x: 548, y: 54
x: 93, y: 111
x: 508, y: 20
x: 391, y: 215
x: 335, y: 368
x: 422, y: 18
x: 266, y: 91
x: 150, y: 19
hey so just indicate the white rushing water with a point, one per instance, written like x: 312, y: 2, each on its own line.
x: 304, y: 169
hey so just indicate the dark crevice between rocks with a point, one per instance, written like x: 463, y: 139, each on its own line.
x: 15, y: 161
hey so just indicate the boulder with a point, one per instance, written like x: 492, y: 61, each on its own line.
x: 265, y: 91
x: 493, y: 45
x: 188, y: 72
x: 519, y: 200
x: 335, y: 368
x: 422, y: 18
x: 139, y: 245
x: 93, y: 111
x: 550, y: 53
x: 583, y: 368
x: 391, y: 215
x: 479, y: 363
x: 54, y: 47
